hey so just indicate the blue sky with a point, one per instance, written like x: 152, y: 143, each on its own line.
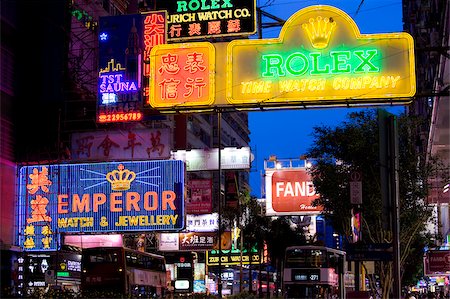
x: 287, y: 133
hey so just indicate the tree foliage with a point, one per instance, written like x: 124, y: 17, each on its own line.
x: 259, y: 230
x: 354, y: 146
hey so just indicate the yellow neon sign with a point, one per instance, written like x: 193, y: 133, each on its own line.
x: 320, y: 56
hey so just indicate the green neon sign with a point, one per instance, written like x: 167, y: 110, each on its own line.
x: 62, y: 274
x: 321, y: 58
x: 302, y: 63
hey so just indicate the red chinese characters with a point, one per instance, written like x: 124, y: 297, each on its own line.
x: 154, y: 34
x: 183, y: 75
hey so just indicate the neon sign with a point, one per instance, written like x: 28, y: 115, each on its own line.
x: 182, y: 75
x: 120, y: 69
x: 338, y: 62
x: 114, y: 82
x: 199, y: 19
x: 155, y: 31
x: 321, y: 57
x: 101, y: 197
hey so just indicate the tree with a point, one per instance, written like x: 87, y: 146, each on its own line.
x: 258, y: 230
x: 354, y: 146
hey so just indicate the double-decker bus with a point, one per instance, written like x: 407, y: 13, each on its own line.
x: 120, y: 270
x: 313, y: 272
x: 231, y: 279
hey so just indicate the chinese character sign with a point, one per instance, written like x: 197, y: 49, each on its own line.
x: 194, y: 241
x: 37, y: 225
x: 155, y: 32
x: 199, y: 196
x: 194, y: 19
x: 182, y: 75
x: 149, y: 144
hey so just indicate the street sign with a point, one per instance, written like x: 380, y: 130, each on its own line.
x: 355, y: 188
x: 369, y: 252
x: 370, y: 256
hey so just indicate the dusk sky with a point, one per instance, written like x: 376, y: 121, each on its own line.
x: 287, y: 134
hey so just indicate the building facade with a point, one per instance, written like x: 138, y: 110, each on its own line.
x: 49, y: 94
x: 428, y: 23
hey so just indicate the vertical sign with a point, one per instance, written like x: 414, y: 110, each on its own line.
x: 231, y: 189
x: 155, y: 29
x: 125, y: 43
x: 182, y: 75
x: 120, y: 69
x: 355, y: 188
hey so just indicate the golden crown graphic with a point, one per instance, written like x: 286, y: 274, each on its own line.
x: 120, y: 179
x: 319, y: 31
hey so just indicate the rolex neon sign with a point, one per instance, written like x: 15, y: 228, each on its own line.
x: 321, y: 57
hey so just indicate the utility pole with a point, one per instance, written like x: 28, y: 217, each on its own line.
x: 389, y: 165
x: 219, y: 129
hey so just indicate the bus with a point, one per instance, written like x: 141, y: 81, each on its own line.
x: 123, y: 271
x: 313, y: 272
x: 231, y: 279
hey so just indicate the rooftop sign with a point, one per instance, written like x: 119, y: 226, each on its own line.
x: 290, y: 192
x: 320, y: 57
x: 199, y: 19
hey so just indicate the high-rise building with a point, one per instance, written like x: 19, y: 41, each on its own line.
x: 49, y: 79
x: 428, y: 23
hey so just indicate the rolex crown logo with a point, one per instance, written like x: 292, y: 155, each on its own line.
x: 120, y: 179
x: 319, y: 31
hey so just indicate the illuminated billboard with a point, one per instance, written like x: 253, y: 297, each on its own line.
x: 193, y: 241
x: 194, y: 19
x: 320, y: 57
x: 125, y: 42
x: 437, y: 261
x: 232, y: 257
x: 290, y: 192
x: 199, y: 196
x: 182, y: 75
x: 199, y: 159
x: 100, y: 197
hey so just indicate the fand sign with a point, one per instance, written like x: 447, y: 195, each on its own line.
x: 101, y: 197
x: 437, y: 261
x: 321, y: 58
x: 290, y: 192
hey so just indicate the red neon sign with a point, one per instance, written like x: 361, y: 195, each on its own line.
x: 183, y: 75
x: 119, y: 117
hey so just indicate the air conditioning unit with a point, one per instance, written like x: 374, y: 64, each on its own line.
x: 50, y: 277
